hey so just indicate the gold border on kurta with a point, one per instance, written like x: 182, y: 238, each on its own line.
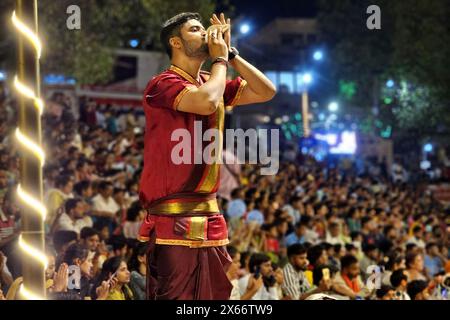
x: 193, y: 243
x: 238, y: 93
x: 213, y: 169
x: 197, y: 228
x: 179, y: 97
x: 185, y: 207
x: 184, y: 74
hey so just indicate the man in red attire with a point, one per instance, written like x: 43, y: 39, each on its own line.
x: 186, y: 233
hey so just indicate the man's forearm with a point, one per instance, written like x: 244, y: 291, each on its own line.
x: 214, y: 88
x: 256, y: 80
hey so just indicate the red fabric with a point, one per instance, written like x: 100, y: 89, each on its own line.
x: 272, y: 245
x: 351, y: 284
x: 176, y: 228
x: 182, y: 273
x: 160, y: 176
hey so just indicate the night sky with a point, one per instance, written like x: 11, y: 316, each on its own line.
x: 263, y: 11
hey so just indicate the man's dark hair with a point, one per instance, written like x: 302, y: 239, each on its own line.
x: 314, y: 253
x: 75, y: 251
x: 430, y: 245
x: 133, y: 212
x: 415, y: 287
x: 118, y: 242
x: 235, y: 193
x: 71, y: 204
x: 60, y: 238
x: 62, y: 181
x: 87, y: 232
x: 256, y: 260
x: 296, y: 249
x: 417, y: 229
x: 410, y: 247
x: 81, y: 186
x: 103, y: 185
x: 347, y: 261
x: 410, y: 258
x: 171, y: 28
x: 397, y: 277
x: 369, y: 248
x: 232, y: 251
x: 380, y: 293
x: 349, y: 246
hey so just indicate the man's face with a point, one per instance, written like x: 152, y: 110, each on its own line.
x: 392, y: 235
x: 93, y: 242
x: 323, y: 259
x: 300, y: 261
x: 68, y: 187
x: 353, y: 270
x: 373, y: 254
x: 334, y: 230
x: 390, y: 295
x: 88, y: 192
x: 266, y: 269
x: 301, y: 231
x: 79, y: 210
x: 107, y: 192
x: 193, y: 40
x: 434, y: 250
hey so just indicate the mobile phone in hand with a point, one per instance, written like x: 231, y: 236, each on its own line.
x: 257, y: 273
x: 326, y: 274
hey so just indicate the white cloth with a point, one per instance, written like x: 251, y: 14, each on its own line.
x: 262, y: 294
x: 108, y: 205
x: 65, y: 223
x: 131, y: 229
x: 235, y: 295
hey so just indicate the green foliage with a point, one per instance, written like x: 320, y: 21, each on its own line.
x: 87, y: 54
x: 413, y: 46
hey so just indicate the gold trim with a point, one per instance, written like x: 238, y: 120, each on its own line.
x: 184, y: 74
x: 177, y: 100
x: 238, y: 93
x: 143, y: 239
x: 193, y: 243
x: 213, y: 169
x: 179, y: 208
x: 197, y: 228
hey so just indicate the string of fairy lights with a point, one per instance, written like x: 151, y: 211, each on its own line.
x: 33, y: 148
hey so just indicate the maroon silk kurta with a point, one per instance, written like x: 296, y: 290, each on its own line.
x: 186, y: 233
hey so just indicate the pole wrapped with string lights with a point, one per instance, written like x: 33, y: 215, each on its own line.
x: 28, y: 134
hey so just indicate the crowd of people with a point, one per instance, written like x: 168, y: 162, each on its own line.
x: 309, y: 232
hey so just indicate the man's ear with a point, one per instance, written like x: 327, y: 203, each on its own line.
x: 175, y: 42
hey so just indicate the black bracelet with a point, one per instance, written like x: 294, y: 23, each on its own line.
x: 220, y: 60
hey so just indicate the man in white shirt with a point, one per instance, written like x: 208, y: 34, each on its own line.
x: 334, y: 234
x: 103, y: 203
x: 74, y: 218
x: 261, y: 281
x: 417, y: 237
x: 399, y: 280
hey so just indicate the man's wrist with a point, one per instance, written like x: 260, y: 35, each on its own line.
x: 232, y: 53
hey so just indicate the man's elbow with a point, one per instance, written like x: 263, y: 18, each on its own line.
x: 270, y: 92
x: 208, y: 107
